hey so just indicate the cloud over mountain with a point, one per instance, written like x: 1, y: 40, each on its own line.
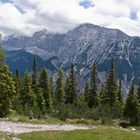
x: 28, y: 16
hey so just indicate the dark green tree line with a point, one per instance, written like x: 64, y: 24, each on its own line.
x: 37, y: 93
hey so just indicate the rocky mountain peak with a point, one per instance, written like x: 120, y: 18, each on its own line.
x: 83, y: 46
x: 41, y: 33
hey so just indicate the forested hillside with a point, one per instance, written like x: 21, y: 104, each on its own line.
x: 38, y: 93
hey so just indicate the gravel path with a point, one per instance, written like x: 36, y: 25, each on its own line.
x: 17, y: 128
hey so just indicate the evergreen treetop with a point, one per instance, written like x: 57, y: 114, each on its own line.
x: 45, y: 85
x: 71, y: 86
x: 60, y: 92
x: 111, y: 88
x: 7, y: 91
x: 131, y: 110
x: 93, y: 96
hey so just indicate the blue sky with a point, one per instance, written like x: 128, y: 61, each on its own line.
x: 86, y: 4
x: 133, y: 15
x: 27, y: 16
x: 3, y: 1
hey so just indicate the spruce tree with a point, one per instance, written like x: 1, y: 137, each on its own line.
x: 17, y: 83
x: 40, y: 103
x: 131, y: 110
x: 17, y: 88
x: 93, y: 96
x: 111, y: 88
x: 27, y: 97
x: 71, y: 87
x: 119, y: 106
x: 87, y: 92
x: 60, y: 92
x: 34, y: 74
x: 45, y: 85
x: 67, y: 91
x: 103, y: 94
x: 119, y: 95
x: 7, y: 91
x: 36, y: 89
x: 52, y: 89
x: 2, y: 54
x: 138, y: 93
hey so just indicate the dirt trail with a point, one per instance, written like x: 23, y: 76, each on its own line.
x: 17, y: 127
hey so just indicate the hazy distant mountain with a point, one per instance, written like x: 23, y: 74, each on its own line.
x: 82, y: 46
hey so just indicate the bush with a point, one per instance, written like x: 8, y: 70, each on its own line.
x: 78, y: 111
x: 61, y: 111
x: 106, y: 120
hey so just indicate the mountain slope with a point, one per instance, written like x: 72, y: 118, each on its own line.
x: 82, y: 46
x: 23, y: 60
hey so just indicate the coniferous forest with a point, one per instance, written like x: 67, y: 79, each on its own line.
x: 38, y: 93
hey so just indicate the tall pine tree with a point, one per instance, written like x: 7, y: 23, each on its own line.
x: 67, y: 91
x: 138, y: 93
x: 17, y: 81
x: 27, y: 97
x: 111, y: 87
x: 119, y: 95
x: 93, y: 96
x: 60, y: 92
x: 7, y: 91
x: 34, y: 74
x: 36, y: 89
x: 87, y: 92
x: 2, y: 54
x: 52, y: 89
x: 103, y: 94
x: 17, y: 88
x: 131, y: 110
x: 71, y: 86
x: 45, y: 85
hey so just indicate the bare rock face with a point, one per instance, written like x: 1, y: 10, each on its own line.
x: 82, y: 46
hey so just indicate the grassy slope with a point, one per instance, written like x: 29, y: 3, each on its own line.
x: 101, y: 133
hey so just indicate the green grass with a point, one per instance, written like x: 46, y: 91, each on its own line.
x: 5, y: 136
x: 100, y: 133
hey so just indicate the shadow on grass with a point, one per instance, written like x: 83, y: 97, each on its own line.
x: 124, y: 124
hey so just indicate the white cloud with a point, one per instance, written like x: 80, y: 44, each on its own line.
x: 63, y: 15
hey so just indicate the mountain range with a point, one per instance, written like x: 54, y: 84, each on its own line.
x: 82, y: 46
